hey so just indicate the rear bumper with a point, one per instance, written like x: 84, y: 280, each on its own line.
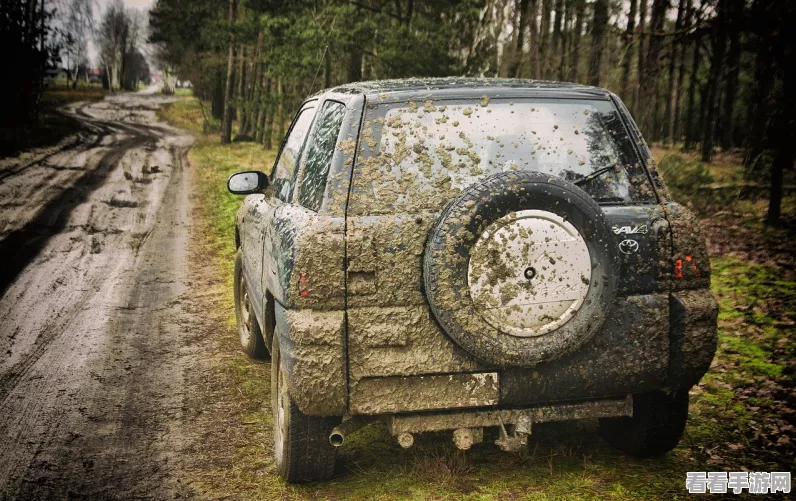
x: 628, y: 354
x: 418, y: 423
x: 648, y: 342
x: 692, y: 337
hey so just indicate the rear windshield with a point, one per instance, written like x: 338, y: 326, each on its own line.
x: 416, y: 156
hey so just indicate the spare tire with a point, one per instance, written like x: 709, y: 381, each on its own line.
x: 521, y: 268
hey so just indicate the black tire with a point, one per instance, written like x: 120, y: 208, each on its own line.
x: 251, y: 336
x: 656, y: 427
x: 462, y: 224
x: 302, y: 450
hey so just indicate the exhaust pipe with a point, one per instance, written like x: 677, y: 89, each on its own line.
x: 339, y: 433
x: 337, y: 437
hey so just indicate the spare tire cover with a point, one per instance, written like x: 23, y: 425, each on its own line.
x: 521, y: 268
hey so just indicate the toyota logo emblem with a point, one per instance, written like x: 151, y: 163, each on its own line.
x: 628, y: 246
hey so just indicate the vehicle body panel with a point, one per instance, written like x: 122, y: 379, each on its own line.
x: 301, y: 266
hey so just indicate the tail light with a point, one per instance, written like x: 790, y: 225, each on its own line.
x: 686, y: 268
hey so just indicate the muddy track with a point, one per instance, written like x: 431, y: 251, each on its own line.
x: 92, y: 325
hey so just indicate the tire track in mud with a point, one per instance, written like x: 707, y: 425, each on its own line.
x: 20, y: 247
x: 98, y: 131
x: 12, y: 171
x: 124, y: 458
x: 91, y: 313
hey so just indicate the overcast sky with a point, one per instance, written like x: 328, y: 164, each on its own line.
x: 139, y: 3
x: 101, y: 4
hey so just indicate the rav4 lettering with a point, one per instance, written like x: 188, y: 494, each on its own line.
x: 630, y: 230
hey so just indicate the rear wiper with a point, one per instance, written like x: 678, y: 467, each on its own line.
x: 595, y: 174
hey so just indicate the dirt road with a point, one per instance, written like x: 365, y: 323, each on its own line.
x: 94, y: 340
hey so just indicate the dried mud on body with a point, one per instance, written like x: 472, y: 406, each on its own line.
x: 96, y: 342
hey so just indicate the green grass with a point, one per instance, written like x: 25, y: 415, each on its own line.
x: 186, y: 114
x: 734, y: 411
x: 745, y: 399
x: 756, y: 306
x: 724, y: 168
x: 721, y: 183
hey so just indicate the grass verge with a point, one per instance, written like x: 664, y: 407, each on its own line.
x: 741, y: 413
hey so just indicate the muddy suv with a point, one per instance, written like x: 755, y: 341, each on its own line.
x: 469, y: 255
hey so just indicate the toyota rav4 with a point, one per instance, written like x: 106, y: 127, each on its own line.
x: 462, y: 255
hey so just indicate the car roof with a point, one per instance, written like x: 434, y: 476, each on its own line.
x: 452, y: 87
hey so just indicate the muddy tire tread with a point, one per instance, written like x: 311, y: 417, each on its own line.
x: 307, y: 456
x: 256, y: 348
x: 310, y: 456
x: 656, y: 427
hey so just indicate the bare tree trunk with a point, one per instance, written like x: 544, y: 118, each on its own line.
x: 544, y: 34
x: 676, y: 126
x: 536, y: 63
x: 628, y: 60
x: 557, y: 38
x: 260, y: 110
x: 642, y: 48
x: 354, y: 61
x: 256, y: 119
x: 673, y: 66
x: 31, y: 8
x: 242, y: 103
x: 649, y: 103
x: 280, y: 110
x: 716, y: 70
x: 229, y: 110
x: 563, y: 71
x: 217, y: 97
x: 735, y: 18
x: 253, y: 99
x: 264, y: 135
x: 659, y: 10
x: 692, y: 123
x: 786, y: 139
x: 355, y: 64
x: 574, y: 69
x: 597, y: 41
x: 522, y: 6
x: 759, y: 113
x: 240, y: 80
x: 327, y: 70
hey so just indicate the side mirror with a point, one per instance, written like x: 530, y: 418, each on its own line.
x: 247, y: 182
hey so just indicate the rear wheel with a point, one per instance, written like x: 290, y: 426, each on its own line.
x: 251, y: 336
x: 656, y: 427
x: 302, y: 450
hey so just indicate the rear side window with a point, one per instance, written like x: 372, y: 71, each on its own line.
x: 319, y: 155
x: 284, y: 176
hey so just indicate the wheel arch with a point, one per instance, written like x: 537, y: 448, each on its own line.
x: 311, y: 347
